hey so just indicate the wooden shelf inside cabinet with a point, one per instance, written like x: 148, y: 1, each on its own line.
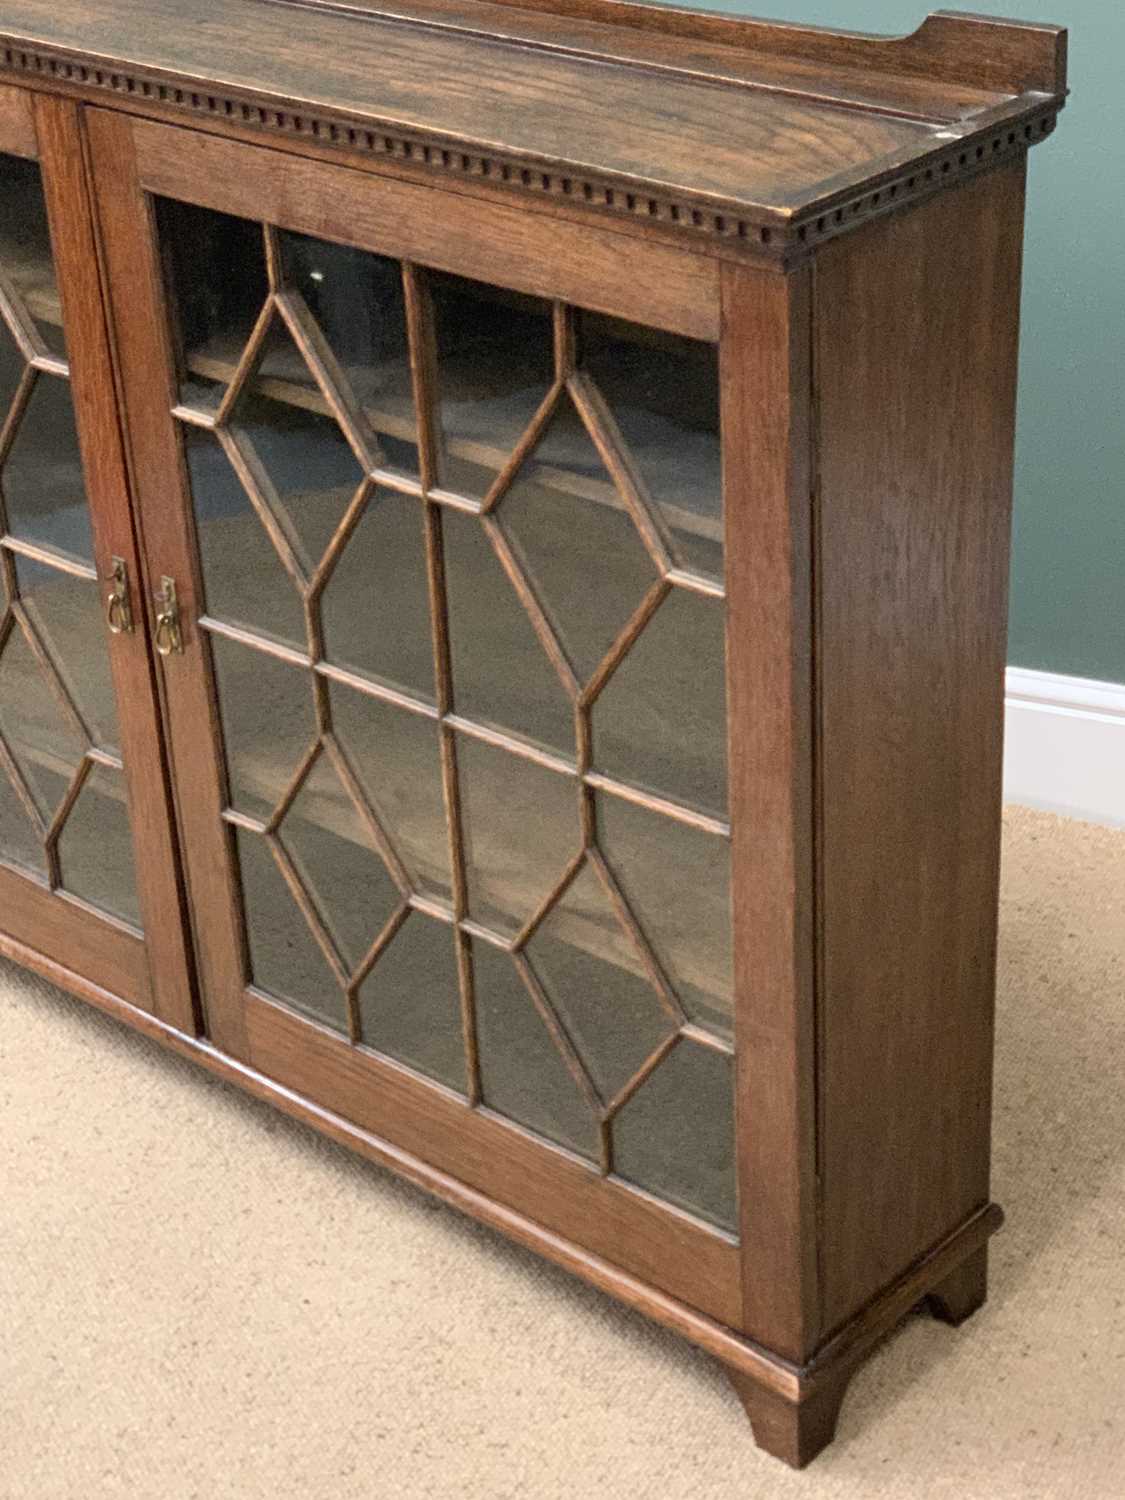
x: 289, y: 382
x: 575, y: 516
x: 35, y: 281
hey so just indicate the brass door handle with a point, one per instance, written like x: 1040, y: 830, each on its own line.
x: 118, y: 610
x: 167, y: 636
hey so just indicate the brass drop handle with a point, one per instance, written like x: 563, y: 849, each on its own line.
x: 167, y: 636
x: 118, y: 610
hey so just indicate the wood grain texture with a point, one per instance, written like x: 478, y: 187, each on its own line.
x: 868, y: 379
x: 984, y: 51
x: 639, y: 37
x: 917, y: 325
x: 76, y: 258
x: 963, y: 1292
x: 368, y: 152
x: 795, y: 1425
x: 566, y: 1195
x: 163, y: 509
x: 79, y: 939
x: 521, y: 99
x: 793, y: 1431
x: 766, y: 415
x: 17, y: 127
x: 929, y: 1272
x: 725, y: 157
x: 654, y: 284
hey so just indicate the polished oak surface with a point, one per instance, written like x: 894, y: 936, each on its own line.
x: 88, y: 873
x: 575, y: 438
x: 537, y: 88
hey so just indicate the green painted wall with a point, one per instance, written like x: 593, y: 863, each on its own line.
x: 1068, y: 572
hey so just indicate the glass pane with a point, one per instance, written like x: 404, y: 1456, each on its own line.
x: 285, y: 960
x: 215, y: 268
x: 501, y: 674
x: 357, y: 301
x: 376, y: 606
x: 244, y: 582
x: 337, y: 857
x: 396, y: 757
x: 496, y: 364
x: 20, y: 843
x: 301, y: 462
x: 25, y: 248
x: 675, y: 1136
x: 66, y: 613
x: 663, y: 391
x: 410, y: 1003
x: 11, y: 369
x: 41, y: 737
x: 56, y: 689
x: 577, y: 541
x: 661, y: 721
x: 266, y: 708
x: 677, y: 882
x: 96, y: 847
x: 521, y: 831
x: 593, y: 974
x: 42, y: 475
x: 523, y: 1074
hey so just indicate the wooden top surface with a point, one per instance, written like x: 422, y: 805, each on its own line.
x: 767, y: 121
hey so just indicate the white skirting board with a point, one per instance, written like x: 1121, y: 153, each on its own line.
x: 1065, y: 745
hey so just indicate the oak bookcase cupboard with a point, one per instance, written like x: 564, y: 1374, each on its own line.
x: 505, y: 517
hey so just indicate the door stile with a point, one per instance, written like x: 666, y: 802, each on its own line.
x: 768, y: 495
x: 137, y: 311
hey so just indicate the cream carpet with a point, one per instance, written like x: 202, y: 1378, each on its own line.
x: 199, y: 1298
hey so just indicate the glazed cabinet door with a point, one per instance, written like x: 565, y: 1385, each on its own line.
x: 442, y: 517
x: 87, y: 871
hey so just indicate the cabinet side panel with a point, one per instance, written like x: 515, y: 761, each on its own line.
x: 916, y: 348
